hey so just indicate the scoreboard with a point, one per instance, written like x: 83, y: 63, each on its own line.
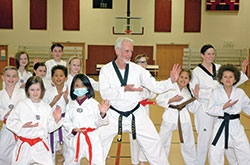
x: 222, y: 5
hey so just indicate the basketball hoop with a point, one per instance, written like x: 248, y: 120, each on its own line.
x: 128, y: 26
x: 128, y: 32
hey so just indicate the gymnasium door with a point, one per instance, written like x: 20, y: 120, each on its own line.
x: 167, y: 56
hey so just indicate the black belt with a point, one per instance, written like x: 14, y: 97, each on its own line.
x: 227, y: 117
x: 126, y: 114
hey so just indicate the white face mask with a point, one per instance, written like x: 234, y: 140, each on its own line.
x: 80, y: 92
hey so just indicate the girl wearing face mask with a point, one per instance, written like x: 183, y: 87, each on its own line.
x: 83, y: 118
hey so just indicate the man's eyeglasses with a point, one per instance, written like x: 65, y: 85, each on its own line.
x: 141, y: 62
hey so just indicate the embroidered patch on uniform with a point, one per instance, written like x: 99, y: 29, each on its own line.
x: 21, y: 81
x: 79, y: 110
x: 11, y: 106
x: 38, y: 117
x: 205, y: 129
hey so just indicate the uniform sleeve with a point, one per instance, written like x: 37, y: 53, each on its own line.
x: 243, y: 78
x: 204, y: 93
x: 214, y: 108
x: 13, y: 122
x: 3, y: 112
x: 52, y: 125
x: 194, y: 106
x: 102, y: 121
x: 163, y: 100
x: 48, y: 76
x: 68, y: 124
x: 246, y: 103
x: 106, y: 91
x: 150, y: 83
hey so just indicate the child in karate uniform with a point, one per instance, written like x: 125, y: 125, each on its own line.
x: 83, y: 118
x: 22, y: 64
x: 226, y: 103
x: 57, y: 96
x: 31, y: 120
x: 56, y: 51
x: 75, y: 67
x: 9, y: 95
x: 172, y: 117
x: 39, y: 69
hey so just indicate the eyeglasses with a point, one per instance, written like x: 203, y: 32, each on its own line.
x: 141, y: 62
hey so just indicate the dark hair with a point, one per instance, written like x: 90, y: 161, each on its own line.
x: 205, y: 48
x: 85, y: 82
x: 17, y: 59
x: 36, y: 66
x: 59, y: 67
x: 56, y: 45
x: 33, y: 80
x: 231, y: 68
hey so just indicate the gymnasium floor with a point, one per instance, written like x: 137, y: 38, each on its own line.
x: 175, y: 157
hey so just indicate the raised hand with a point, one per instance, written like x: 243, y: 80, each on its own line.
x: 196, y: 91
x: 175, y: 72
x: 104, y: 107
x: 57, y: 114
x: 244, y: 65
x: 36, y: 60
x: 130, y: 87
x: 229, y: 104
x: 176, y: 98
x: 29, y: 125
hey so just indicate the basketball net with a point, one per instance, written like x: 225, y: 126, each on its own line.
x: 128, y: 32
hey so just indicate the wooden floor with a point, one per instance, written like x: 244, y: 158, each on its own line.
x: 175, y: 157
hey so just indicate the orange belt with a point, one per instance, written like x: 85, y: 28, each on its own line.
x: 4, y: 121
x: 31, y: 143
x: 88, y: 142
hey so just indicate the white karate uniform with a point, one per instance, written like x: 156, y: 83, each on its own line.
x: 237, y: 139
x: 136, y: 153
x: 94, y: 83
x: 146, y: 134
x: 86, y: 115
x: 204, y: 122
x: 47, y: 84
x: 27, y: 111
x: 23, y: 77
x: 170, y: 123
x: 7, y: 140
x: 48, y: 97
x: 50, y: 64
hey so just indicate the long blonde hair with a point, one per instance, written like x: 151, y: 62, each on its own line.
x: 73, y: 58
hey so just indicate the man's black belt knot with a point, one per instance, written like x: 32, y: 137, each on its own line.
x: 126, y: 114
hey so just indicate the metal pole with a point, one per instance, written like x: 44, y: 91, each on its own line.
x: 128, y: 14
